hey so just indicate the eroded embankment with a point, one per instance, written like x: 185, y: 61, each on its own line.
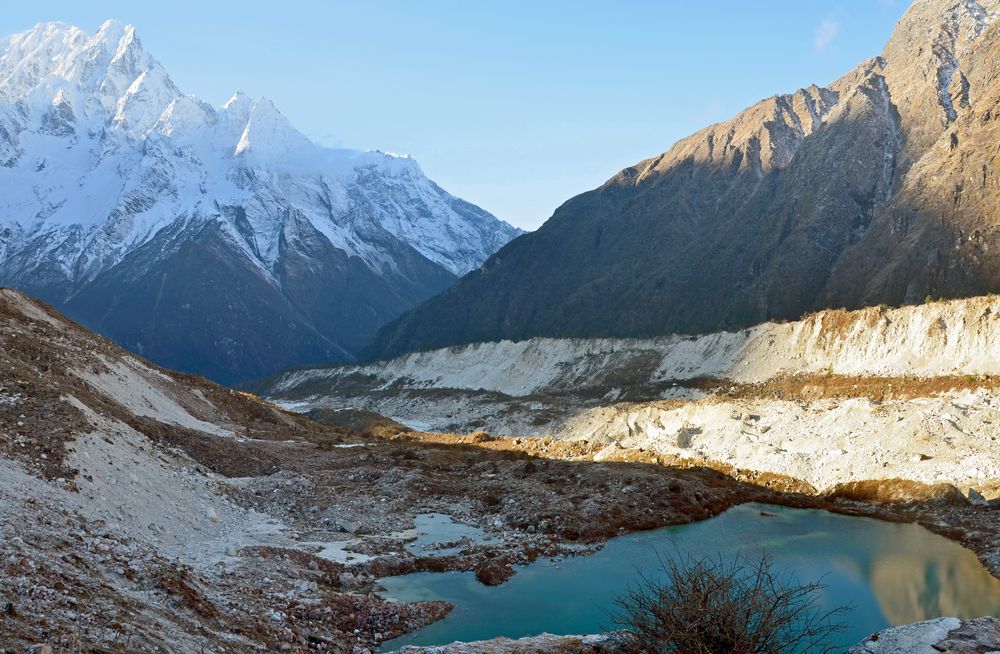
x: 954, y: 337
x: 912, y: 392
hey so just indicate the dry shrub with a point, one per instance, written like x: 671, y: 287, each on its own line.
x: 480, y: 437
x: 712, y: 606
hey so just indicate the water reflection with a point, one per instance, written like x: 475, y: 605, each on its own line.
x: 889, y: 573
x: 915, y: 586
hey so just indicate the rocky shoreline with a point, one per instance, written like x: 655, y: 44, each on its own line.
x: 947, y: 635
x: 541, y: 644
x: 939, y: 636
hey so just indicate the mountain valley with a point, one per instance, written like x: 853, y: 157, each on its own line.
x: 262, y: 395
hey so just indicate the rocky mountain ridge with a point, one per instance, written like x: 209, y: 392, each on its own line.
x: 879, y: 188
x: 945, y: 338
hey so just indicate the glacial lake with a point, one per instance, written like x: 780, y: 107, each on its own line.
x: 889, y: 574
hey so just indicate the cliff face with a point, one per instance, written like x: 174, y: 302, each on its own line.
x: 938, y: 233
x: 880, y: 188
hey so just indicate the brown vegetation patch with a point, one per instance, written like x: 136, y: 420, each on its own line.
x: 828, y: 386
x: 356, y: 422
x: 494, y: 572
x: 178, y: 583
x: 897, y: 491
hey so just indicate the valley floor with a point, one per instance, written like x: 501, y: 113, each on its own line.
x: 289, y: 560
x: 147, y: 511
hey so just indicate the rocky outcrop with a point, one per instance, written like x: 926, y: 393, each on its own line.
x: 979, y: 636
x: 881, y: 188
x: 949, y: 635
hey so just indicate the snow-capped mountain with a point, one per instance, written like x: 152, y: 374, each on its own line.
x: 221, y: 241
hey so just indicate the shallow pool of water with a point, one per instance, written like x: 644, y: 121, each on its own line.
x: 437, y: 535
x: 889, y: 573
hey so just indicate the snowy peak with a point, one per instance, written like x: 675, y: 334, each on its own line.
x: 389, y: 163
x: 233, y: 119
x: 115, y: 181
x: 269, y: 138
x: 105, y: 78
x: 239, y: 107
x: 103, y: 90
x: 42, y: 52
x: 137, y: 109
x: 185, y: 120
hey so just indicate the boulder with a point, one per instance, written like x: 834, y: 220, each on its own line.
x: 916, y: 638
x: 979, y: 636
x: 947, y: 635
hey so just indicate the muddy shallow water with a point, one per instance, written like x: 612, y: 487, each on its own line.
x: 889, y: 574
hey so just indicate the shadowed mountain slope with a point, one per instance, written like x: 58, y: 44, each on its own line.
x: 883, y: 187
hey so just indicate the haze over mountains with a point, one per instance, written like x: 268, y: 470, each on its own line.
x: 218, y: 241
x: 882, y: 187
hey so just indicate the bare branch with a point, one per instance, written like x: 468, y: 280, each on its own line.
x: 712, y: 606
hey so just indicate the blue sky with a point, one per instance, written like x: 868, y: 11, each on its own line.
x: 514, y: 105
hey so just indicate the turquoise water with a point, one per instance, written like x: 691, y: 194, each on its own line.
x: 889, y: 573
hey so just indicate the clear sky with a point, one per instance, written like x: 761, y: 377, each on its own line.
x: 515, y: 105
